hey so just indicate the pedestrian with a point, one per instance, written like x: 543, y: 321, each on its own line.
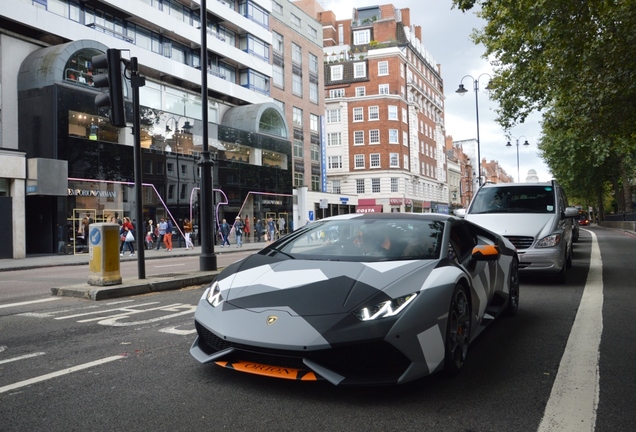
x: 225, y: 233
x: 281, y: 225
x: 127, y: 233
x: 149, y: 240
x: 161, y: 226
x: 271, y: 229
x: 89, y: 221
x: 247, y: 228
x: 187, y: 228
x: 238, y: 231
x: 167, y: 238
x: 258, y: 230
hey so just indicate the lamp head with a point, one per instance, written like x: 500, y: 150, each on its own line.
x: 526, y: 143
x: 461, y: 90
x: 508, y: 145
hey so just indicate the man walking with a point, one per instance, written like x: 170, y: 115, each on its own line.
x: 225, y: 233
x: 162, y: 225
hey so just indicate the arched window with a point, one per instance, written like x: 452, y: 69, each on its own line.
x: 272, y: 123
x: 79, y: 69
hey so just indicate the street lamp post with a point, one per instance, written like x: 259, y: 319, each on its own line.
x: 462, y: 91
x: 525, y: 144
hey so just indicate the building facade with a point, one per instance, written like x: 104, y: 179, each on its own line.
x: 61, y: 160
x: 384, y: 113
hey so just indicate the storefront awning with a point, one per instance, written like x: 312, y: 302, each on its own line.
x: 369, y: 209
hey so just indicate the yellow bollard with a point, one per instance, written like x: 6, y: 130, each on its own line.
x: 103, y: 244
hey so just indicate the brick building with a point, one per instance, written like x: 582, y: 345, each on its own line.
x: 384, y: 112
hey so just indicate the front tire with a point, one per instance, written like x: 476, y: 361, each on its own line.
x: 513, y: 286
x: 457, y: 331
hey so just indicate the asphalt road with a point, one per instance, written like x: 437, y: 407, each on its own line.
x: 76, y: 365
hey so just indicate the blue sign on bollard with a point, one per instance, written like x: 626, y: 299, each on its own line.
x: 95, y: 236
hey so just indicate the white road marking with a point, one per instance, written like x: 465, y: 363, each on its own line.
x: 574, y: 398
x: 26, y: 356
x: 169, y: 265
x: 174, y: 330
x: 113, y: 321
x: 58, y: 373
x: 29, y: 302
x: 104, y: 311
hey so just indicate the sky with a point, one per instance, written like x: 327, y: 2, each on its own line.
x: 446, y: 36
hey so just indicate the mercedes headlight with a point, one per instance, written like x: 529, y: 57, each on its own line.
x: 214, y: 296
x: 385, y: 309
x: 549, y: 241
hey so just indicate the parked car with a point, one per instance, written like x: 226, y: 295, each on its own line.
x: 575, y: 231
x: 535, y: 217
x: 385, y: 299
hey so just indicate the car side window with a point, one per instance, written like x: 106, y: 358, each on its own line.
x: 462, y: 241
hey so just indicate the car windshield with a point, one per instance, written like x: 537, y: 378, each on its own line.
x: 364, y: 239
x: 514, y: 199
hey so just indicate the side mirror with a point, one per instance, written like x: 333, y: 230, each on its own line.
x: 485, y: 253
x: 461, y: 213
x: 571, y: 212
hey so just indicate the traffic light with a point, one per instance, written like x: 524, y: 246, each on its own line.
x: 111, y: 61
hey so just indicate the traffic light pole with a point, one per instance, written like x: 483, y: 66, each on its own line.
x: 137, y: 81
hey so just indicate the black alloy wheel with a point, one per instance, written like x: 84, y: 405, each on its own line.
x: 457, y: 331
x: 513, y: 286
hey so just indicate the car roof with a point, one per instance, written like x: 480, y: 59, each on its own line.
x: 394, y: 216
x: 489, y: 185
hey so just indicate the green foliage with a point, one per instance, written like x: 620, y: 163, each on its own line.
x: 572, y: 60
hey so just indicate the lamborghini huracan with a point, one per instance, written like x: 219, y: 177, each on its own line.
x: 359, y: 299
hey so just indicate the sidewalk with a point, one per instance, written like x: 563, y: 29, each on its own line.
x: 128, y: 287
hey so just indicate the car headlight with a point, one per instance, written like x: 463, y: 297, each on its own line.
x: 385, y: 309
x: 549, y: 241
x: 214, y: 296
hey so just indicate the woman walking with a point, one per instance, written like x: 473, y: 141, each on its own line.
x: 127, y: 232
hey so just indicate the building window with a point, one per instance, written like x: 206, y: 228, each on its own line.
x: 296, y: 21
x: 375, y: 185
x: 255, y: 13
x: 383, y: 68
x: 383, y: 89
x: 374, y: 113
x: 313, y: 92
x: 358, y: 114
x: 361, y: 37
x: 334, y: 139
x: 336, y: 93
x: 374, y: 160
x: 358, y: 161
x: 404, y: 116
x: 394, y: 184
x: 359, y: 70
x: 297, y: 54
x: 393, y: 136
x: 393, y: 112
x: 405, y: 138
x: 297, y: 117
x: 360, y: 91
x: 359, y: 186
x: 334, y: 162
x: 394, y: 161
x: 170, y: 192
x: 277, y: 42
x: 336, y: 73
x: 312, y: 31
x: 315, y: 152
x: 374, y: 136
x: 297, y: 85
x: 313, y: 122
x: 298, y: 148
x: 333, y: 116
x: 278, y: 76
x: 299, y: 179
x: 406, y: 162
x: 335, y: 185
x: 358, y: 138
x: 277, y: 7
x: 313, y: 63
x: 254, y: 46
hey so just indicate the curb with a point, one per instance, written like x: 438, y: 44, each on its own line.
x: 135, y: 287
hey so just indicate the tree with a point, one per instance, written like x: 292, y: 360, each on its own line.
x: 573, y: 61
